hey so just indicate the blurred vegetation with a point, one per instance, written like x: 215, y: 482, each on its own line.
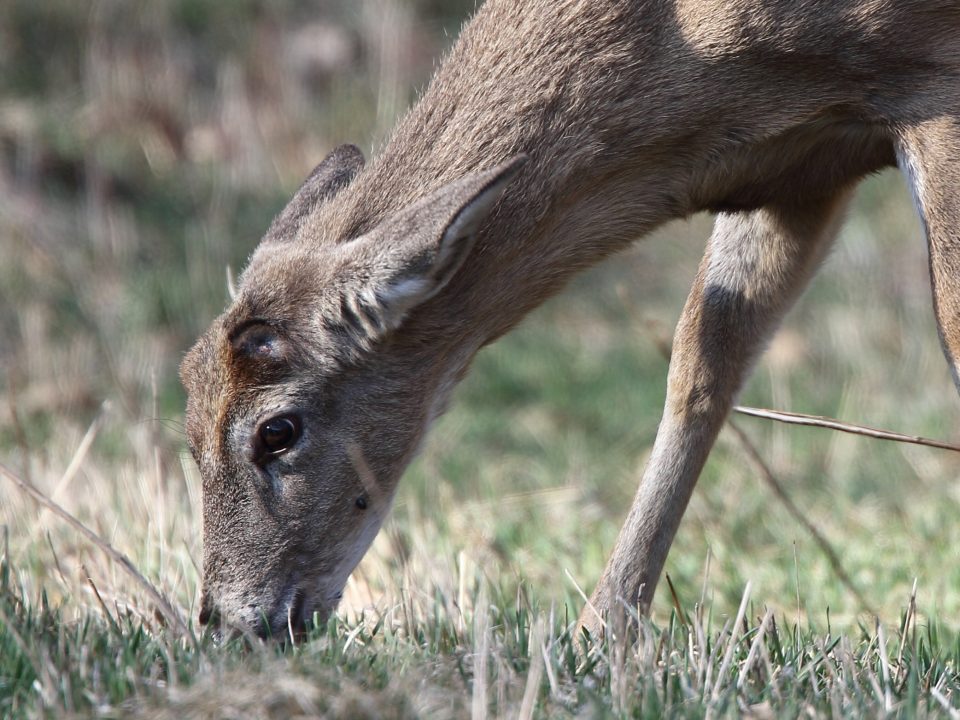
x: 144, y: 148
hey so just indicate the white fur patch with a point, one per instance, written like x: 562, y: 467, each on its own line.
x: 916, y: 180
x: 404, y: 294
x: 734, y: 257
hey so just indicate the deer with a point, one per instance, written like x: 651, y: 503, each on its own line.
x: 554, y: 134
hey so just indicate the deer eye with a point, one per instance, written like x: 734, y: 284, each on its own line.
x: 277, y: 435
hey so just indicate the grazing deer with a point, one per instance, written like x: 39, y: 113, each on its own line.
x: 555, y: 133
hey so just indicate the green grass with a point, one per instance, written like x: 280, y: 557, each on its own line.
x: 506, y: 656
x: 116, y: 228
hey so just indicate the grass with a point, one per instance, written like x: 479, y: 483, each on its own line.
x: 144, y: 152
x: 502, y: 655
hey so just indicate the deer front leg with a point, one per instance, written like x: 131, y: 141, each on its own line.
x: 930, y: 156
x: 754, y: 267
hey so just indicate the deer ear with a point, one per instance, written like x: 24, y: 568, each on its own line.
x: 412, y: 255
x: 327, y: 179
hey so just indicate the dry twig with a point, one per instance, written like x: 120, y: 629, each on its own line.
x: 792, y: 418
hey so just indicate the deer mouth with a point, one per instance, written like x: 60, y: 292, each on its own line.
x: 298, y: 615
x: 288, y: 619
x: 292, y: 617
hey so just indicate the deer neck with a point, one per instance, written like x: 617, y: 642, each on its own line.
x: 574, y: 203
x: 602, y: 170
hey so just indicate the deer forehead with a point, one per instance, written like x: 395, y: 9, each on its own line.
x: 205, y: 373
x: 228, y: 379
x: 220, y: 386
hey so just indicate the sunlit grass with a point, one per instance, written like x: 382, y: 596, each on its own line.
x: 443, y: 650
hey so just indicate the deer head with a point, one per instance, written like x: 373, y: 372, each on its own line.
x: 309, y: 396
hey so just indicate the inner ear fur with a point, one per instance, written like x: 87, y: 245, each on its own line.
x: 334, y: 173
x: 414, y: 253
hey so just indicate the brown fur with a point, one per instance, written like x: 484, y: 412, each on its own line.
x: 371, y: 293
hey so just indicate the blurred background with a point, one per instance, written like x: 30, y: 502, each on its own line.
x: 144, y: 149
